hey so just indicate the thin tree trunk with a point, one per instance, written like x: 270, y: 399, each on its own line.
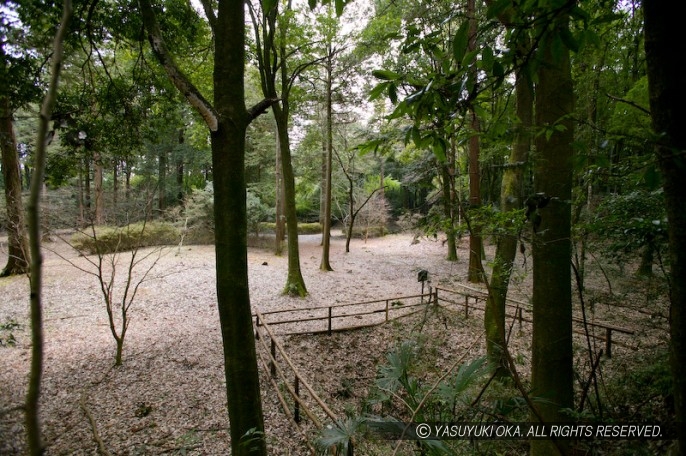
x: 82, y: 206
x: 322, y: 189
x: 295, y: 284
x: 280, y: 219
x: 162, y: 180
x: 87, y: 183
x: 552, y: 371
x: 663, y: 40
x: 448, y: 209
x: 127, y: 182
x: 180, y: 172
x: 326, y: 226
x: 115, y: 185
x: 97, y: 184
x: 475, y: 242
x: 32, y: 418
x: 511, y: 198
x: 18, y: 249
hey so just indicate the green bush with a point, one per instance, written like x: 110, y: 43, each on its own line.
x: 303, y: 228
x: 373, y: 231
x: 196, y: 219
x: 107, y: 239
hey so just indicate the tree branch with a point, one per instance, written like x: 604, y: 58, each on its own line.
x: 630, y: 103
x: 209, y: 12
x: 261, y: 107
x: 180, y: 80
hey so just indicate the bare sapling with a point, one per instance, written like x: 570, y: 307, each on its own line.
x: 121, y: 262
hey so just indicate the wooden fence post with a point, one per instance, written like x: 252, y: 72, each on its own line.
x: 386, y: 310
x: 272, y: 364
x: 329, y: 331
x: 296, y: 410
x: 466, y: 306
x: 608, y: 342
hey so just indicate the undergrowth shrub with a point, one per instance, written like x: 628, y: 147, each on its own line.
x: 303, y: 228
x: 195, y: 220
x: 107, y: 239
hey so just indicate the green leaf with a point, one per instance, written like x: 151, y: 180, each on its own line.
x: 498, y: 70
x: 487, y: 59
x: 498, y: 8
x: 340, y: 4
x: 385, y: 75
x: 268, y: 5
x: 393, y: 92
x: 569, y: 40
x: 469, y: 57
x: 378, y: 90
x: 439, y: 148
x: 557, y: 48
x: 651, y: 177
x: 460, y: 42
x: 606, y: 18
x: 579, y: 13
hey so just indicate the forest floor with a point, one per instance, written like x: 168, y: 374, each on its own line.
x: 168, y: 397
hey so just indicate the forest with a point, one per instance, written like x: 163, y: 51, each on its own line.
x: 218, y: 216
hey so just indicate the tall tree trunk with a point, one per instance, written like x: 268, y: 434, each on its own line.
x: 180, y: 171
x: 81, y: 196
x: 552, y: 355
x: 295, y: 284
x: 97, y: 184
x: 511, y: 198
x: 322, y: 187
x: 115, y: 185
x: 230, y: 213
x: 663, y: 41
x: 273, y: 75
x: 448, y: 207
x: 475, y: 242
x: 87, y: 184
x: 280, y: 219
x: 18, y: 248
x: 127, y: 182
x: 326, y: 225
x: 228, y: 121
x: 162, y: 179
x: 32, y: 418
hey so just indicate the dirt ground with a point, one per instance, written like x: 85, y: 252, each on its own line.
x: 168, y: 397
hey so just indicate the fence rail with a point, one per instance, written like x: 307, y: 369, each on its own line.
x: 278, y: 364
x: 520, y: 307
x: 386, y: 309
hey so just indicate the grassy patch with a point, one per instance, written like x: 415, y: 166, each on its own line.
x: 106, y: 239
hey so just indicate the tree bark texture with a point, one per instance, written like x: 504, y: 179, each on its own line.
x: 475, y: 242
x: 280, y: 219
x: 97, y: 184
x: 228, y: 126
x: 663, y: 44
x: 326, y: 219
x: 448, y: 207
x: 511, y: 198
x: 295, y: 284
x: 552, y: 354
x: 18, y: 247
x: 32, y: 417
